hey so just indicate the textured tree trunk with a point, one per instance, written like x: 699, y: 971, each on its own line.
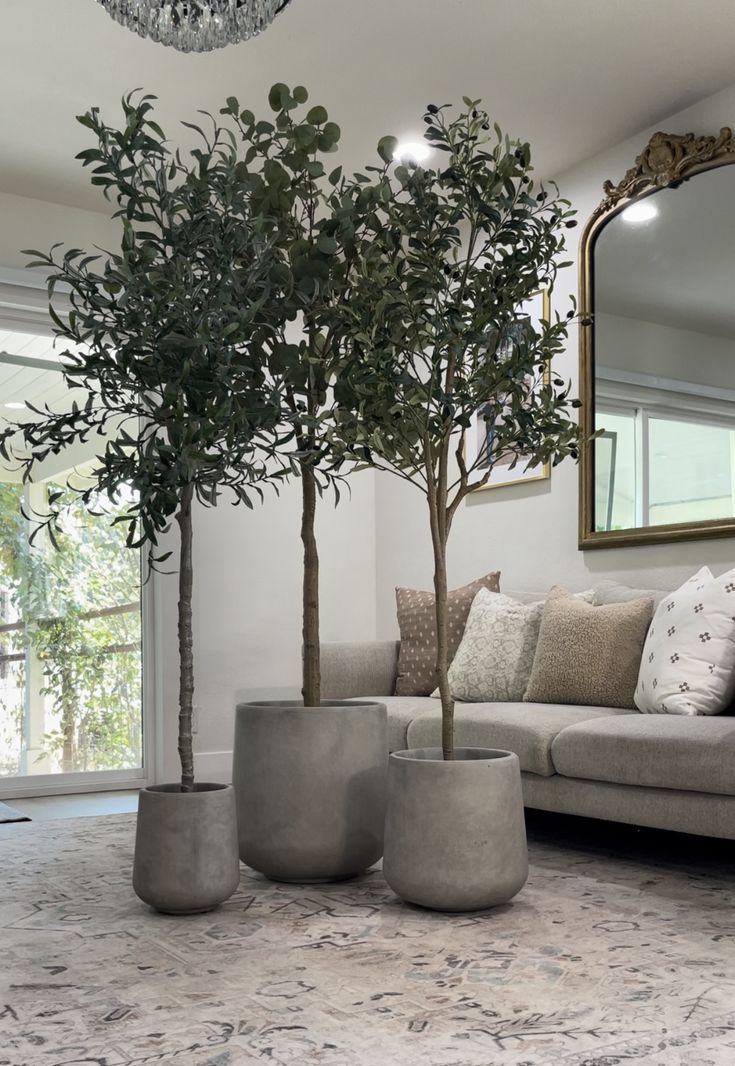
x: 186, y: 641
x: 311, y: 690
x: 439, y: 545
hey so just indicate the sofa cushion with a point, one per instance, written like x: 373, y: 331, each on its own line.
x: 525, y: 728
x: 692, y: 753
x: 401, y: 712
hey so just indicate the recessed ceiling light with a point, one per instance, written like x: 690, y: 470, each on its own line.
x: 412, y: 152
x: 15, y: 406
x: 643, y: 211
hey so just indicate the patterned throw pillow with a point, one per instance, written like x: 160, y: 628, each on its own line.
x: 688, y: 663
x: 494, y: 659
x: 588, y: 655
x: 417, y: 623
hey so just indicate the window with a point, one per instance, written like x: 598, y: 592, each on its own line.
x: 70, y: 620
x: 657, y: 466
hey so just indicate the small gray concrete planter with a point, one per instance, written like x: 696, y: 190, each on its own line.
x: 186, y: 848
x: 455, y: 835
x: 310, y: 787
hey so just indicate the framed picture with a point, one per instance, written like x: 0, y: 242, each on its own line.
x: 480, y: 436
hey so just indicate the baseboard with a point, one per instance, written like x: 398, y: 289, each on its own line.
x: 213, y: 766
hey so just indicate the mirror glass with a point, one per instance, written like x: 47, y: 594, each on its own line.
x: 663, y: 277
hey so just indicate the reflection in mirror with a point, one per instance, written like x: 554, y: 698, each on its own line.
x: 664, y: 358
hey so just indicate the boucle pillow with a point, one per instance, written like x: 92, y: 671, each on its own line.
x: 493, y: 661
x: 688, y: 664
x: 417, y: 623
x: 588, y: 655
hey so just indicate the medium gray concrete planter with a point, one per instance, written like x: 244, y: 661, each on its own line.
x: 455, y: 835
x: 186, y: 848
x: 310, y: 787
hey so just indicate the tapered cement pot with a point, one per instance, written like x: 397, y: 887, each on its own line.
x: 455, y: 835
x: 310, y: 787
x: 186, y: 848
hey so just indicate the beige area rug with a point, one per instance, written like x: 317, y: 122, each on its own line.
x: 618, y: 959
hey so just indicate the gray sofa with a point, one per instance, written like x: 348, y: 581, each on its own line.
x: 666, y: 771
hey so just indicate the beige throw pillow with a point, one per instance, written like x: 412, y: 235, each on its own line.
x: 588, y: 655
x: 417, y: 623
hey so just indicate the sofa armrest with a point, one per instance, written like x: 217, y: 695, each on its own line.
x: 360, y: 668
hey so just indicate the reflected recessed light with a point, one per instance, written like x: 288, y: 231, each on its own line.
x: 412, y: 152
x: 15, y: 406
x: 640, y: 212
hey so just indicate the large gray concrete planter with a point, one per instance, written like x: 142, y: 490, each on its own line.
x: 310, y: 787
x: 186, y: 848
x: 455, y: 835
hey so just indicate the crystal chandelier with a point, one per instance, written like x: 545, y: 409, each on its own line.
x: 195, y: 25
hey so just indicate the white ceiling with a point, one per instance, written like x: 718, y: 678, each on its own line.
x: 571, y: 76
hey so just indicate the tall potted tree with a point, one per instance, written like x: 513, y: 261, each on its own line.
x: 309, y: 774
x: 439, y: 334
x: 163, y: 346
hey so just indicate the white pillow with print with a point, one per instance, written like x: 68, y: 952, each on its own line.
x: 688, y: 661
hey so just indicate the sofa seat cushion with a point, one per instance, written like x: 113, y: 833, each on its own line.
x: 401, y: 712
x: 525, y: 728
x: 662, y: 751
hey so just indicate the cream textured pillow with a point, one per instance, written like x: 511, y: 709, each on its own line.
x: 688, y: 664
x: 417, y: 623
x: 588, y: 655
x: 494, y: 658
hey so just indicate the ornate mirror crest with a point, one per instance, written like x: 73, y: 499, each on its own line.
x: 667, y: 162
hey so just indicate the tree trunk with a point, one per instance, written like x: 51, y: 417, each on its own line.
x: 186, y: 641
x: 311, y: 690
x: 439, y: 544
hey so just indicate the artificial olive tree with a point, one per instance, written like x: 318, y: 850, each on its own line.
x: 318, y: 223
x: 438, y: 332
x: 164, y: 348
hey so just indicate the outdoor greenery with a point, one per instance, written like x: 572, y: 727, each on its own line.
x: 162, y: 342
x: 77, y: 612
x: 438, y: 330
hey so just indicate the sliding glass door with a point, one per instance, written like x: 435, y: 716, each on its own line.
x: 71, y: 661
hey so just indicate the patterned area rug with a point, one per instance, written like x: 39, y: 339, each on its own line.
x: 603, y: 959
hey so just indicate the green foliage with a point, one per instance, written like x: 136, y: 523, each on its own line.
x: 436, y: 325
x: 161, y: 333
x: 316, y: 223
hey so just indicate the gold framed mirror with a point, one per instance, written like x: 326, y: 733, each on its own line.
x: 657, y: 348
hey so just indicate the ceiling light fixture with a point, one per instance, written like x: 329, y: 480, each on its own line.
x: 412, y: 152
x: 643, y: 211
x: 195, y: 25
x: 14, y: 406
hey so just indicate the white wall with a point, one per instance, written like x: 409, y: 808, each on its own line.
x: 530, y: 533
x: 659, y: 350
